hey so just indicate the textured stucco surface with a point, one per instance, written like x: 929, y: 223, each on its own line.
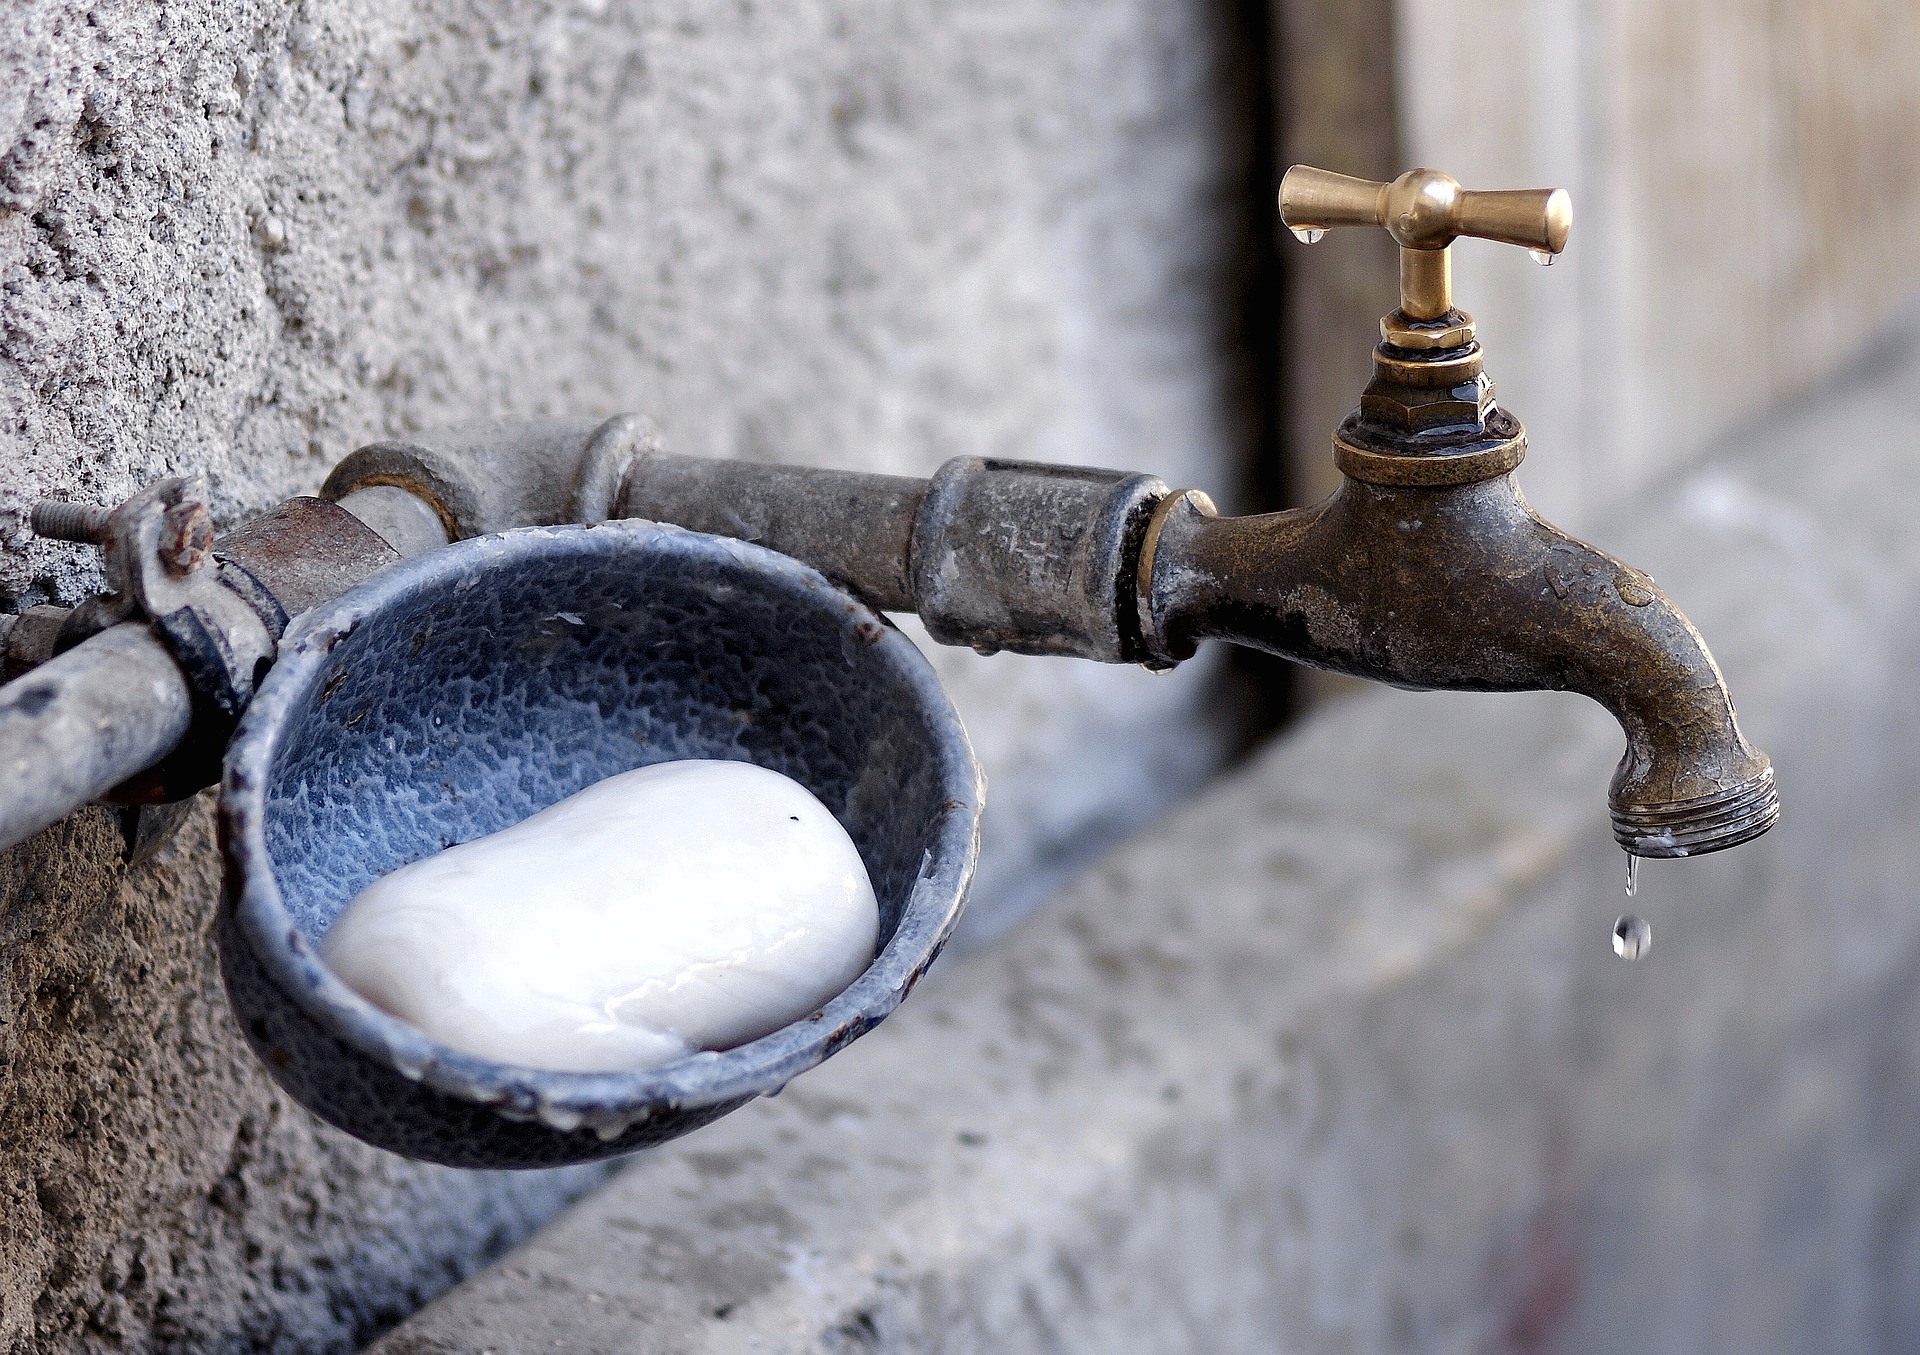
x: 158, y: 1193
x: 1338, y: 1059
x: 242, y: 238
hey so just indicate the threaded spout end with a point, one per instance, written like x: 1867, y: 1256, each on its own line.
x: 1694, y: 827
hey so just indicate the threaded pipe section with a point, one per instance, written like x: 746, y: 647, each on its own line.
x: 70, y: 521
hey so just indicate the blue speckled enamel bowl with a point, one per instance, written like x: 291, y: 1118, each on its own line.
x: 463, y: 690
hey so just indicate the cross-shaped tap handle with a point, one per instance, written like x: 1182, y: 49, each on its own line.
x: 1425, y: 211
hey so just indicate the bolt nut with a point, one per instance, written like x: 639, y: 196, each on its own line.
x: 186, y: 536
x: 1418, y: 392
x: 1414, y: 409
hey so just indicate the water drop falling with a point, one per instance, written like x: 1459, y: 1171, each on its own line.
x: 1308, y: 235
x: 1543, y: 257
x: 1632, y: 937
x: 1633, y: 874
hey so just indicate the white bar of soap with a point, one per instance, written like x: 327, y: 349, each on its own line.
x: 683, y: 906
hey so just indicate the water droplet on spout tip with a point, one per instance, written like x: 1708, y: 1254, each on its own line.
x: 1632, y: 937
x: 1633, y: 874
x: 1543, y: 257
x: 1308, y: 235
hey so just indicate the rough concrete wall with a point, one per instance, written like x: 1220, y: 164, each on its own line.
x: 158, y: 1194
x: 243, y: 237
x: 1337, y: 1059
x: 1747, y: 209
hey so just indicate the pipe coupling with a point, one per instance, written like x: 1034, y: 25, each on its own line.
x: 1034, y: 558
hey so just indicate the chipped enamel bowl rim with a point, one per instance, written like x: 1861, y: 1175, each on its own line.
x: 605, y: 1102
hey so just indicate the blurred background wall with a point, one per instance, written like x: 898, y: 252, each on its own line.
x: 1747, y: 210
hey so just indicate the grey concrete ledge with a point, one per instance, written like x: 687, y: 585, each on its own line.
x: 1337, y: 1058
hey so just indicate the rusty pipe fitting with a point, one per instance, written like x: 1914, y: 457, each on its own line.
x: 496, y: 474
x: 138, y: 710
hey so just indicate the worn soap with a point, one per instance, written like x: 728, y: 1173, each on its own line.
x: 684, y: 906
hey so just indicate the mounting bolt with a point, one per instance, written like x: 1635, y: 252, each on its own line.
x: 58, y: 521
x: 186, y: 535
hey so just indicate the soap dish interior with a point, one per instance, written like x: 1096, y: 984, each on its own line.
x: 457, y: 693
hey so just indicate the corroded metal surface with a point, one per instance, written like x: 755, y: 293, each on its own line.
x: 854, y: 527
x: 306, y: 551
x: 1033, y: 558
x: 83, y: 722
x: 139, y: 712
x: 404, y: 521
x: 497, y: 474
x: 992, y: 554
x: 1466, y: 588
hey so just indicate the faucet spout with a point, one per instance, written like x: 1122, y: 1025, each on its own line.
x: 1464, y: 587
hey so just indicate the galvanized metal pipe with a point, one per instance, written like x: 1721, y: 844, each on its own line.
x: 855, y: 528
x: 85, y: 721
x: 992, y: 554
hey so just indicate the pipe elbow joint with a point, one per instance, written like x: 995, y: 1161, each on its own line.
x: 492, y: 475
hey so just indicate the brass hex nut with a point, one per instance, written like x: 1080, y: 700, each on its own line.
x: 1407, y: 408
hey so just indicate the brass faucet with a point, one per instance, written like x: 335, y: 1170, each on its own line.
x: 1427, y: 569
